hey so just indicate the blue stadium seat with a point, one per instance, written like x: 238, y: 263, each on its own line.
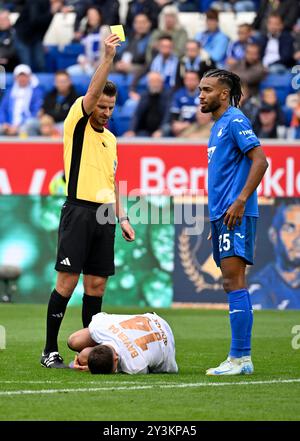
x: 122, y: 83
x: 68, y: 56
x: 81, y: 83
x: 142, y: 85
x: 204, y: 5
x: 120, y: 122
x: 9, y: 78
x: 297, y: 133
x: 282, y: 83
x: 288, y: 113
x: 51, y: 56
x: 46, y: 81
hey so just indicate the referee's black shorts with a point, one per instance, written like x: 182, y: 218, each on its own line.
x: 84, y: 245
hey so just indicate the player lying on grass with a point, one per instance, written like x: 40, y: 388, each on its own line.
x: 133, y: 344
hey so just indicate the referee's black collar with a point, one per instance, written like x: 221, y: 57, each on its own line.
x: 97, y: 130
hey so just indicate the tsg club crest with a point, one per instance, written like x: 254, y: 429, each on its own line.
x: 210, y: 152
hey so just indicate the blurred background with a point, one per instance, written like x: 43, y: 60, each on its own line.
x: 49, y: 49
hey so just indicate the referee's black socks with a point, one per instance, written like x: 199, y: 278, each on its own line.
x: 56, y: 310
x: 91, y: 305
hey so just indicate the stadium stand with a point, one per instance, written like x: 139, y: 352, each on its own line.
x: 61, y: 52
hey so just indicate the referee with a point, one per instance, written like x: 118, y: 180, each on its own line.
x: 84, y: 244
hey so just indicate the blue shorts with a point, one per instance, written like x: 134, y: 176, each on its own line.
x: 238, y: 242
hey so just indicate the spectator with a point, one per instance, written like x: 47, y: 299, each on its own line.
x: 287, y: 9
x: 277, y: 46
x: 194, y: 59
x: 188, y: 5
x: 250, y: 69
x: 147, y: 7
x: 185, y: 103
x: 150, y: 115
x: 234, y: 5
x: 92, y: 33
x: 48, y: 128
x: 109, y: 10
x: 297, y: 42
x: 200, y: 128
x: 265, y: 126
x: 79, y: 7
x: 243, y: 5
x: 166, y: 62
x: 213, y: 40
x: 31, y: 27
x: 295, y: 122
x: 21, y: 102
x: 8, y: 54
x: 12, y: 5
x: 269, y: 97
x: 57, y: 104
x: 249, y: 104
x: 131, y: 56
x: 237, y: 49
x: 168, y: 25
x: 164, y: 3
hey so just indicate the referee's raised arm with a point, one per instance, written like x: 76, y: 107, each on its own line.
x: 100, y: 76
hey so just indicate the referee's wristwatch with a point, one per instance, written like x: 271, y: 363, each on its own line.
x: 123, y: 219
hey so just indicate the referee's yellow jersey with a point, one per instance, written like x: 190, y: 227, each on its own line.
x: 90, y: 158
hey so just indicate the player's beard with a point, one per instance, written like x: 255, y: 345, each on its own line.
x: 284, y: 260
x: 212, y: 107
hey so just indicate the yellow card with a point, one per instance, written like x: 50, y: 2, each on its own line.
x: 119, y: 30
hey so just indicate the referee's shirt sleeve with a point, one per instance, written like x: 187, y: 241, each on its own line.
x: 242, y: 133
x: 76, y: 112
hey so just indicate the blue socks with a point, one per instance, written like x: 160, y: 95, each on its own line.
x: 247, y: 346
x: 241, y: 321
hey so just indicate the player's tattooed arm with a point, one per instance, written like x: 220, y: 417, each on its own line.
x: 258, y: 168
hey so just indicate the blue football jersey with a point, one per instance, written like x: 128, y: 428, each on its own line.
x: 228, y: 166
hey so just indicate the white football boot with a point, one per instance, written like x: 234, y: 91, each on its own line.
x: 233, y: 366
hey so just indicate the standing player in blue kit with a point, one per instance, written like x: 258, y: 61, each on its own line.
x: 236, y: 166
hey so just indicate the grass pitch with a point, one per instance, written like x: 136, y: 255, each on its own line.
x: 30, y: 392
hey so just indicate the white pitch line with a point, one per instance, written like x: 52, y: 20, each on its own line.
x: 71, y: 382
x: 163, y: 386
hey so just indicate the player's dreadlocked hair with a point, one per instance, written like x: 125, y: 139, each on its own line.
x: 232, y: 80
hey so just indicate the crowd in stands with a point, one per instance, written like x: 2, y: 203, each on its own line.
x: 157, y: 69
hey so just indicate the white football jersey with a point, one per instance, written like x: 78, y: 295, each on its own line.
x: 144, y: 343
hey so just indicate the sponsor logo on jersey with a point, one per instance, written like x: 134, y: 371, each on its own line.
x: 246, y: 132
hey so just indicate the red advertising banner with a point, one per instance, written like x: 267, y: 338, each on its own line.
x: 168, y: 166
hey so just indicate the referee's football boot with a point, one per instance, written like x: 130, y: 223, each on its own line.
x: 233, y: 366
x: 53, y: 360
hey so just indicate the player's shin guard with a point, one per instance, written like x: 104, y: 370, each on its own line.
x: 239, y: 312
x: 56, y: 310
x: 91, y: 305
x: 247, y: 346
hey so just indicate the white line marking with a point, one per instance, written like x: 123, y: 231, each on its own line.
x: 140, y: 387
x: 70, y: 382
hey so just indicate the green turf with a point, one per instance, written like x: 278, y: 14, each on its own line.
x: 202, y: 340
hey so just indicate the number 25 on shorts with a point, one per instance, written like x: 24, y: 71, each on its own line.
x: 224, y: 242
